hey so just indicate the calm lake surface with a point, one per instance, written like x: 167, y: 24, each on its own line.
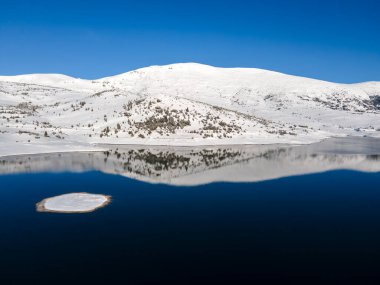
x: 295, y: 214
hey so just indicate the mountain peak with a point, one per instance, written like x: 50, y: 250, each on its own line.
x: 184, y: 104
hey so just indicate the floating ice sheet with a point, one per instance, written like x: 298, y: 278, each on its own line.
x: 73, y: 203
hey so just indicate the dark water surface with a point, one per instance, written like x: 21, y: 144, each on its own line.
x: 321, y: 228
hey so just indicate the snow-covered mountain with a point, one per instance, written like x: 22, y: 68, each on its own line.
x: 181, y: 104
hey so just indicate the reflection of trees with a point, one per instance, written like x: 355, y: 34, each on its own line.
x: 160, y: 164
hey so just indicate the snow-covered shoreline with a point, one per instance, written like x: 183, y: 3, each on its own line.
x: 30, y: 149
x: 12, y: 149
x: 197, y: 165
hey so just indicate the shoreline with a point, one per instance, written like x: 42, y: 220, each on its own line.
x: 97, y: 147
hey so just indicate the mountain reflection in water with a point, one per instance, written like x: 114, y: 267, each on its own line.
x: 201, y: 165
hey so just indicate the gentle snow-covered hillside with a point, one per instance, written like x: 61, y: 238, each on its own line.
x: 181, y: 104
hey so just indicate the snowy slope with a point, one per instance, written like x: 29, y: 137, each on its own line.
x: 182, y: 104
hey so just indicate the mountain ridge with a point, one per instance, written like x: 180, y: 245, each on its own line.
x: 194, y: 64
x: 183, y: 104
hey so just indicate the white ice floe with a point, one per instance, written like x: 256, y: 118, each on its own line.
x: 73, y: 203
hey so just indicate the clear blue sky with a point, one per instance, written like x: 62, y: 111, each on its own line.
x: 326, y: 39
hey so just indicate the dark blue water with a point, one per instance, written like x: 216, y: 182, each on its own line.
x: 312, y: 229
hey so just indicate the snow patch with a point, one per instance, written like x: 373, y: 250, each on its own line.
x: 73, y: 203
